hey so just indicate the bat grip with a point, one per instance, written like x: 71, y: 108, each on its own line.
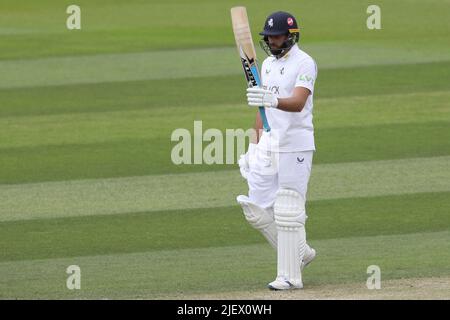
x: 262, y: 112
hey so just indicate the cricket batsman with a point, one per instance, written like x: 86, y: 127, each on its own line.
x: 278, y: 163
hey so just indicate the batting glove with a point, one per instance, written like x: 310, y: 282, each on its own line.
x: 259, y: 97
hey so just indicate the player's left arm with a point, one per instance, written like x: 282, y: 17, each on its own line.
x: 304, y: 86
x: 296, y: 102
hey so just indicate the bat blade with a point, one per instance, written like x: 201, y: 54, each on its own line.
x: 247, y: 53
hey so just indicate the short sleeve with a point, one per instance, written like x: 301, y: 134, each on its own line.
x: 307, y: 75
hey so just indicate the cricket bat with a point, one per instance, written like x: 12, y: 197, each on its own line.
x: 246, y: 49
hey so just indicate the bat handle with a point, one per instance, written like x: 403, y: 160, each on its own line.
x: 262, y: 112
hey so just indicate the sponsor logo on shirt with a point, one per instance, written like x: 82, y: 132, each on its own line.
x: 274, y: 89
x: 306, y: 78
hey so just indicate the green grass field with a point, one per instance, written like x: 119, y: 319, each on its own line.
x: 86, y: 176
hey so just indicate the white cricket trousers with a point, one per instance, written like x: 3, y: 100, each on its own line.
x: 270, y: 171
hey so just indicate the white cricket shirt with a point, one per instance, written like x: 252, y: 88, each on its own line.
x: 290, y: 131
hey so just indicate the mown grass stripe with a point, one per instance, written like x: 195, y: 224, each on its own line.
x: 189, y: 63
x: 214, y: 189
x: 135, y: 25
x: 214, y: 90
x: 140, y: 157
x: 220, y: 269
x: 98, y: 127
x: 216, y: 227
x: 119, y: 67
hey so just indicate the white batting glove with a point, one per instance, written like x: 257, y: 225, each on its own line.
x: 244, y: 160
x: 259, y: 97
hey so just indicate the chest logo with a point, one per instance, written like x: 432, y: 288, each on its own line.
x: 282, y: 71
x: 275, y: 89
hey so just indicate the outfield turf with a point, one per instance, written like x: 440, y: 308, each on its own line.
x: 86, y: 119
